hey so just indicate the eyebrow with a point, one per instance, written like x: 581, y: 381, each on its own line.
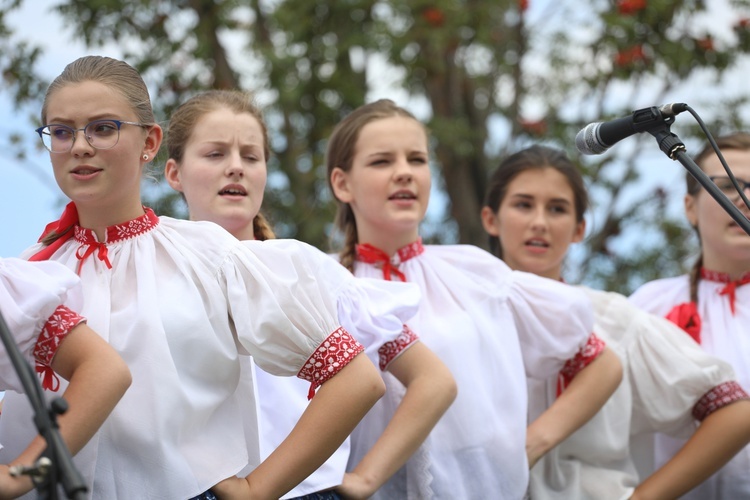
x: 531, y: 197
x: 93, y: 118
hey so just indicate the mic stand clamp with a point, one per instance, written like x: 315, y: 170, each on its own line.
x: 674, y: 148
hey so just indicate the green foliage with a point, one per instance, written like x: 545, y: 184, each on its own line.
x: 488, y: 77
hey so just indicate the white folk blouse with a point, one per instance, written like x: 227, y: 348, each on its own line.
x: 668, y: 385
x: 373, y: 311
x: 36, y: 300
x: 181, y: 301
x: 492, y: 327
x: 724, y: 315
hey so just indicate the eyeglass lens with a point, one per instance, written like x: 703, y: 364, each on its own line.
x: 100, y: 134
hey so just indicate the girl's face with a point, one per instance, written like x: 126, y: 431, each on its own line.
x: 223, y: 171
x: 536, y: 222
x: 726, y: 247
x: 104, y: 183
x: 388, y: 185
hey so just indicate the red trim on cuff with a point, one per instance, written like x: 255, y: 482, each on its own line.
x: 390, y: 350
x: 588, y: 353
x: 333, y: 354
x: 57, y: 327
x: 718, y: 397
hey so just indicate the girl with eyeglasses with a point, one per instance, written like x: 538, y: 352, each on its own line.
x: 712, y: 302
x: 491, y: 326
x: 218, y: 148
x: 534, y: 210
x: 181, y: 302
x: 38, y: 302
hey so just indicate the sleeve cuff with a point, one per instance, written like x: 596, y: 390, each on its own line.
x: 391, y: 350
x: 57, y: 327
x: 588, y: 353
x: 333, y: 354
x: 718, y: 397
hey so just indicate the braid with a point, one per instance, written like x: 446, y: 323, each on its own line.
x: 345, y: 220
x: 53, y: 236
x: 695, y: 276
x: 262, y: 230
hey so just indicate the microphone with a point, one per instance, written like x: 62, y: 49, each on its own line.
x: 598, y: 137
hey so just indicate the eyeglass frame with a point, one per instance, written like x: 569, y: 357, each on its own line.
x: 745, y: 185
x: 75, y: 131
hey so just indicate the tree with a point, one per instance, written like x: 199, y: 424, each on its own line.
x: 487, y: 76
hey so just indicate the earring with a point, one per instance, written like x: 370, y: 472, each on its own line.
x: 145, y: 157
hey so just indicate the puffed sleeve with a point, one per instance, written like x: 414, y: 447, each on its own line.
x: 555, y: 324
x: 282, y: 316
x: 38, y: 300
x: 374, y: 311
x: 675, y: 383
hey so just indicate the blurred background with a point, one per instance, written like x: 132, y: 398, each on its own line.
x: 488, y: 77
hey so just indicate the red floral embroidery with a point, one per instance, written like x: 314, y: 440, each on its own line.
x: 718, y: 397
x: 390, y: 350
x: 731, y: 285
x: 373, y: 255
x: 334, y: 353
x: 588, y: 353
x: 118, y: 232
x: 57, y: 327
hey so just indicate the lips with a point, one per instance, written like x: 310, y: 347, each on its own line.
x: 233, y: 190
x: 403, y: 195
x: 537, y: 243
x: 85, y: 170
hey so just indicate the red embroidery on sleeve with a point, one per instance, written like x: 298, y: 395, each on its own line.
x: 718, y: 397
x: 333, y: 354
x: 686, y: 316
x: 390, y: 350
x: 57, y: 327
x: 588, y: 353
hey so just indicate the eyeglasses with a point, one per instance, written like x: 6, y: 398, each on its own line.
x: 100, y: 134
x: 725, y: 185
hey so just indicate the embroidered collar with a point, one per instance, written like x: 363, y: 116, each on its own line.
x: 119, y: 232
x: 372, y: 255
x: 730, y: 287
x: 86, y: 238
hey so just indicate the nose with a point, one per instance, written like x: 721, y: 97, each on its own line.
x: 81, y: 147
x: 539, y: 219
x: 234, y: 165
x: 403, y: 171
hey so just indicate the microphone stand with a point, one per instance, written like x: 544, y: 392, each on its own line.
x: 56, y: 464
x: 674, y: 148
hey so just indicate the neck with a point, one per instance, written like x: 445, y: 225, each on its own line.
x: 735, y: 269
x: 390, y: 243
x: 98, y: 219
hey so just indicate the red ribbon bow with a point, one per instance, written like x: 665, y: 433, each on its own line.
x: 373, y: 255
x: 63, y: 227
x: 730, y: 289
x: 686, y: 316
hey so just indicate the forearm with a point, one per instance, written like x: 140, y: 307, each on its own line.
x: 578, y: 403
x: 719, y: 437
x: 430, y: 390
x: 330, y: 417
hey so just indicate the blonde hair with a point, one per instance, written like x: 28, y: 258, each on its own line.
x: 340, y: 154
x: 186, y: 116
x: 115, y: 74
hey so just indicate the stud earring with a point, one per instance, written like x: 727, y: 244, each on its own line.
x: 145, y: 157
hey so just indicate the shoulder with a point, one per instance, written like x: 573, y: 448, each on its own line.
x: 663, y: 293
